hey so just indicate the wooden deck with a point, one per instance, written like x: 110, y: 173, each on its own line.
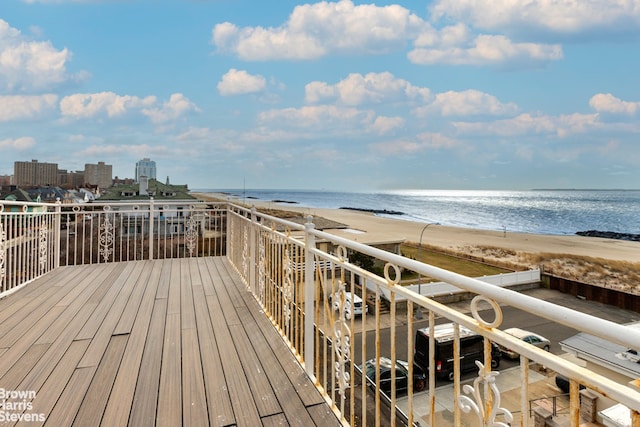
x: 165, y: 343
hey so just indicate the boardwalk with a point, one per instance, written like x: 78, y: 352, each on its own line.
x: 166, y: 343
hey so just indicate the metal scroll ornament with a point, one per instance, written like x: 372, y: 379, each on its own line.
x: 191, y: 235
x: 43, y: 232
x: 3, y: 240
x: 467, y: 404
x: 262, y: 270
x: 287, y: 289
x: 245, y: 253
x: 342, y: 343
x: 107, y: 239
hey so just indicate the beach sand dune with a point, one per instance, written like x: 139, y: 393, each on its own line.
x: 590, y: 259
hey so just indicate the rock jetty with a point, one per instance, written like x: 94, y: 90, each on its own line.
x: 375, y: 211
x: 610, y: 235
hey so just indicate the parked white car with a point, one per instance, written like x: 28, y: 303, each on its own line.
x: 526, y: 336
x: 356, y: 309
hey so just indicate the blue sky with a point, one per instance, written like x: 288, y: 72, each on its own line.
x: 447, y: 94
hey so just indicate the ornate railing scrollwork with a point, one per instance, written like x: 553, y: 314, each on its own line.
x: 245, y: 253
x: 3, y: 240
x: 106, y: 238
x: 342, y: 342
x: 262, y: 270
x: 287, y: 289
x: 43, y: 232
x: 467, y: 404
x: 191, y: 234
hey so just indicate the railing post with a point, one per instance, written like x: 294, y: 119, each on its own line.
x: 151, y: 236
x: 227, y: 231
x: 252, y: 252
x: 57, y: 233
x: 309, y: 297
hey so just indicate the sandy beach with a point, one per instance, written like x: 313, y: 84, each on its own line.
x: 589, y: 259
x: 376, y: 229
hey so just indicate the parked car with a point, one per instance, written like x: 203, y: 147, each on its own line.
x: 471, y: 349
x: 528, y: 337
x: 356, y: 309
x: 402, y: 375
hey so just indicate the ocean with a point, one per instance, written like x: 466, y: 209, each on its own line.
x: 559, y: 212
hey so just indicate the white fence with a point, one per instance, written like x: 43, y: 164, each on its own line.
x: 439, y: 289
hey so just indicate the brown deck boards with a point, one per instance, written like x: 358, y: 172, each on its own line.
x: 150, y: 343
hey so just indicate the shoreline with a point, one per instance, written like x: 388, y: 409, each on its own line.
x: 366, y: 227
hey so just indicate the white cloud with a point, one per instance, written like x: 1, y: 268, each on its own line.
x: 27, y: 65
x: 372, y: 88
x: 317, y: 117
x: 240, y: 82
x: 527, y: 124
x: 324, y: 28
x: 177, y: 106
x: 20, y: 107
x: 480, y: 50
x: 607, y: 103
x: 134, y: 150
x: 384, y: 125
x: 109, y: 104
x: 86, y: 105
x: 421, y: 142
x: 314, y: 30
x: 23, y: 143
x: 557, y: 16
x: 467, y: 103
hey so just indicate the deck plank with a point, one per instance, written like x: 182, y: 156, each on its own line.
x: 48, y: 395
x: 106, y: 329
x: 218, y: 400
x: 103, y: 299
x: 303, y: 385
x: 169, y: 407
x: 244, y: 408
x: 145, y: 399
x: 72, y: 396
x: 119, y: 408
x: 97, y: 396
x: 194, y: 401
x: 11, y: 314
x: 49, y: 330
x: 152, y: 343
x: 31, y: 312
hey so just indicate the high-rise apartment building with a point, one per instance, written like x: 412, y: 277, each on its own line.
x: 145, y: 167
x: 100, y: 174
x: 33, y: 173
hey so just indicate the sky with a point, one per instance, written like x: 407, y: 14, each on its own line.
x: 327, y: 95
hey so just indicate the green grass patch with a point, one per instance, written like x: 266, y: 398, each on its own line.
x: 448, y: 262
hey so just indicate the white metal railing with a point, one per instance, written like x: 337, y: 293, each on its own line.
x: 311, y: 285
x: 37, y: 237
x: 332, y: 342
